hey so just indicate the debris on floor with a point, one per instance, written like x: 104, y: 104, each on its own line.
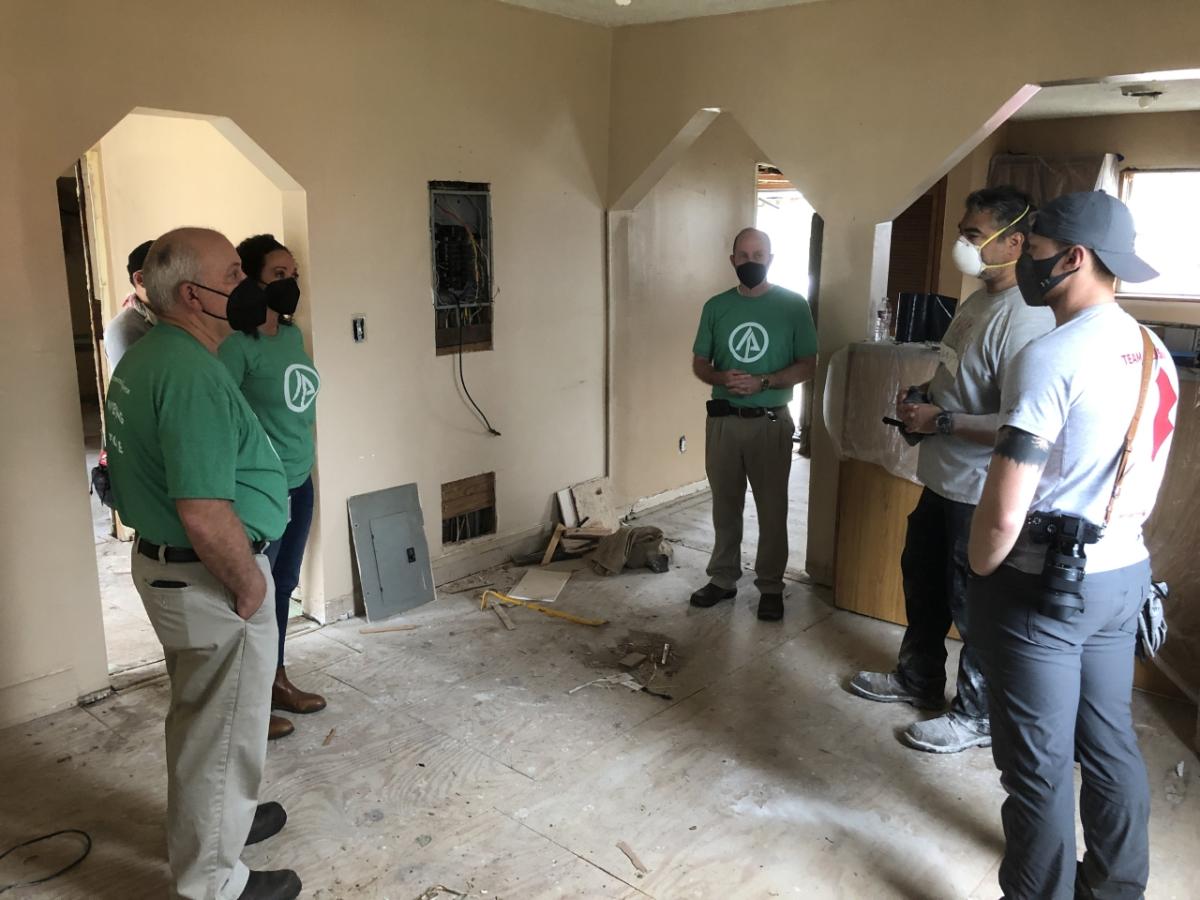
x: 632, y: 660
x: 622, y: 678
x: 540, y: 586
x: 329, y: 737
x: 470, y: 583
x: 384, y: 629
x: 437, y: 890
x: 504, y: 618
x: 633, y: 857
x: 485, y: 602
x: 632, y: 547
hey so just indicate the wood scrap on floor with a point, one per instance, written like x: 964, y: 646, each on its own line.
x: 593, y: 504
x: 633, y: 857
x: 383, y: 629
x: 329, y: 737
x: 437, y: 890
x: 633, y: 660
x: 548, y: 556
x: 540, y: 585
x: 484, y: 602
x: 503, y: 616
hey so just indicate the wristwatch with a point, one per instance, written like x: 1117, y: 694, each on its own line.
x: 944, y: 423
x: 764, y: 383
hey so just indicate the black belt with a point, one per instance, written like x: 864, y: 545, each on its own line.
x: 181, y: 554
x: 747, y: 412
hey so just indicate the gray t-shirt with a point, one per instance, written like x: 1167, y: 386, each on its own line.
x: 987, y: 332
x: 1078, y: 387
x: 127, y: 327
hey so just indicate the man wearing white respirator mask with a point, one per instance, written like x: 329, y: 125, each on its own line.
x: 960, y: 422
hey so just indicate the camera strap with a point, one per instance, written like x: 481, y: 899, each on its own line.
x: 1148, y: 356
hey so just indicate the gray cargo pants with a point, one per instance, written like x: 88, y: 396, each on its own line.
x: 1060, y: 692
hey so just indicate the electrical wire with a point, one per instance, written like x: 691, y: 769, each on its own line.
x: 45, y: 837
x: 476, y: 252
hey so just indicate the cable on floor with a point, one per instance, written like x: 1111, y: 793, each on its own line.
x: 87, y: 848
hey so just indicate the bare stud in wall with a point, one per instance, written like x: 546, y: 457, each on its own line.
x: 683, y: 443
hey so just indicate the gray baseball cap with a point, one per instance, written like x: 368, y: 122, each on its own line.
x: 1099, y: 222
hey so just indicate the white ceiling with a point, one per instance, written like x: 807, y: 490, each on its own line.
x: 1105, y: 99
x: 641, y: 12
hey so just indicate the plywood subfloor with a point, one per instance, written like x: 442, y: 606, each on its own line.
x: 454, y: 755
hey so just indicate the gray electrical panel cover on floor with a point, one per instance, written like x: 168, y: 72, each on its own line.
x: 388, y: 531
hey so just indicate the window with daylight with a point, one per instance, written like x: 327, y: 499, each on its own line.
x: 1163, y: 204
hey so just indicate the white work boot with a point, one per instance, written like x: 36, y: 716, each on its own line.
x: 945, y: 734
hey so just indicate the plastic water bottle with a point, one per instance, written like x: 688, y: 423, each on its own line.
x: 881, y: 321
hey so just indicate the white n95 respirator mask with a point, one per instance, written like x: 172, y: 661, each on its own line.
x: 968, y: 258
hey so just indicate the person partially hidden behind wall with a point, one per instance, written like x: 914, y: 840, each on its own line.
x: 280, y: 383
x: 195, y: 474
x: 135, y: 319
x: 756, y: 341
x: 959, y: 422
x: 1061, y: 566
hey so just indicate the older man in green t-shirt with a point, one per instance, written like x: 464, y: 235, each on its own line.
x: 755, y: 343
x: 194, y: 473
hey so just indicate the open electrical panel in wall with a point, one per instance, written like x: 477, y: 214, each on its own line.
x: 460, y: 225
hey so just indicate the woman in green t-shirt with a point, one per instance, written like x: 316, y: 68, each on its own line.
x: 280, y: 382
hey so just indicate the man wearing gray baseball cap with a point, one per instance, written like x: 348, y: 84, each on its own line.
x: 1059, y: 564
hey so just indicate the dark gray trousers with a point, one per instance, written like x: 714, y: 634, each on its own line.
x: 1060, y: 692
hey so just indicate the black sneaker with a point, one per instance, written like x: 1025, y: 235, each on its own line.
x: 711, y: 595
x: 269, y: 820
x: 770, y: 607
x: 280, y: 884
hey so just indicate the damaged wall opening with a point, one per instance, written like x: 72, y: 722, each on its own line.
x: 460, y: 226
x: 468, y: 508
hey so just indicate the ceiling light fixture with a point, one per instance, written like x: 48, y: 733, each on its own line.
x: 624, y: 2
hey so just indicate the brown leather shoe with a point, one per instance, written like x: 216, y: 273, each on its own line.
x: 288, y: 697
x: 279, y: 727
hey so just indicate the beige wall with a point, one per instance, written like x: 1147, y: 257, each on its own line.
x: 362, y: 104
x: 1147, y: 141
x: 669, y: 255
x: 158, y: 171
x: 844, y: 98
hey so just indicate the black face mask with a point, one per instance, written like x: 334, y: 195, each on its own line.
x: 1034, y: 280
x: 283, y: 296
x: 751, y: 274
x: 247, y: 306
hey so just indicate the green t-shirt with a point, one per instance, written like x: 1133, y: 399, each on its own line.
x: 758, y: 335
x: 281, y: 385
x: 178, y: 428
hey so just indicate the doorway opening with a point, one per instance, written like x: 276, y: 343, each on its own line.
x: 154, y: 171
x: 795, y: 229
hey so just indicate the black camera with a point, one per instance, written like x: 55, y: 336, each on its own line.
x: 1063, y: 572
x: 914, y: 395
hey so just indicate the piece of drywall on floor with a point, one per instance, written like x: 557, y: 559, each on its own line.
x: 163, y: 172
x: 836, y: 97
x: 1147, y: 140
x: 669, y: 255
x: 363, y: 104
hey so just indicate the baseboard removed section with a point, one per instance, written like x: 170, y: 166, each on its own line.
x: 662, y: 499
x: 484, y: 553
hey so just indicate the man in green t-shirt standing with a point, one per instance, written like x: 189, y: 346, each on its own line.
x: 194, y: 473
x: 755, y: 343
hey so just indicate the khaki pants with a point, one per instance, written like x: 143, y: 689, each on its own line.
x: 759, y: 451
x: 221, y: 668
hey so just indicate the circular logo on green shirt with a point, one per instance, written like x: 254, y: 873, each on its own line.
x: 749, y: 342
x: 300, y: 386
